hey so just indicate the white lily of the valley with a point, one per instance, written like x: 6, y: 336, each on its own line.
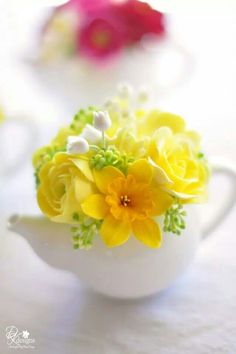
x: 125, y: 90
x: 77, y: 145
x: 91, y: 134
x: 101, y: 120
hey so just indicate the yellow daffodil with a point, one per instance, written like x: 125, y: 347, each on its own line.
x: 65, y: 182
x: 127, y: 204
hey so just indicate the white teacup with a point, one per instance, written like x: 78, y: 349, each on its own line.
x: 159, y: 67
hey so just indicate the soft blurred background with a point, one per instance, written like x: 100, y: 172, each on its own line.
x: 198, y: 314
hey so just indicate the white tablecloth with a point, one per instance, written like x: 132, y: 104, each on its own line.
x: 197, y: 314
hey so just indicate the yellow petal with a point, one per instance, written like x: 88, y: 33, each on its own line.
x: 95, y: 206
x: 44, y: 204
x: 142, y: 171
x: 174, y: 122
x: 105, y: 176
x: 160, y: 176
x: 162, y: 200
x: 83, y: 166
x: 83, y: 188
x: 115, y: 232
x: 148, y: 232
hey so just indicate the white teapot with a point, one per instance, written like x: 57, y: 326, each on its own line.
x: 128, y: 271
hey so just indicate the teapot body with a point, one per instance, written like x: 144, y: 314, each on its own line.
x: 131, y: 270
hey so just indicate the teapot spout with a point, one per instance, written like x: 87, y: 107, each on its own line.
x: 49, y: 240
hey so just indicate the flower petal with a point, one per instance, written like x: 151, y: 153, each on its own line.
x: 115, y: 232
x: 95, y: 206
x: 148, y: 232
x: 105, y: 176
x: 160, y: 175
x: 83, y: 166
x: 162, y: 200
x: 142, y: 171
x: 174, y: 122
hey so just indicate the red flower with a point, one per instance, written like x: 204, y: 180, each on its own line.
x: 105, y: 27
x: 99, y: 38
x: 141, y: 19
x: 86, y: 5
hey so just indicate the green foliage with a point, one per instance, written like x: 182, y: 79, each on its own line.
x: 201, y: 155
x: 174, y: 219
x: 110, y: 156
x: 82, y: 117
x: 84, y: 231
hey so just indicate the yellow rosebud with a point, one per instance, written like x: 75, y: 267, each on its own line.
x: 65, y: 182
x: 177, y: 155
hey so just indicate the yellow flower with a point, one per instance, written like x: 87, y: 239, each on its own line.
x: 2, y: 115
x: 127, y: 204
x: 175, y: 151
x: 126, y: 142
x: 150, y: 121
x: 65, y: 182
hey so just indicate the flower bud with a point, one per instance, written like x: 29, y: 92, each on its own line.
x: 102, y: 120
x: 143, y: 95
x: 77, y: 145
x: 91, y: 134
x: 125, y: 90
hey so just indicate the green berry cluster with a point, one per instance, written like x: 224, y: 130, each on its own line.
x: 174, y: 219
x: 83, y: 117
x: 84, y: 231
x: 110, y: 156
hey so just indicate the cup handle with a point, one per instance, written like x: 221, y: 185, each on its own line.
x: 222, y: 167
x: 187, y: 66
x: 31, y: 129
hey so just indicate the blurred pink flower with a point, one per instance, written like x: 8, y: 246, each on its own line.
x: 141, y: 19
x: 99, y: 38
x: 86, y: 5
x: 105, y: 27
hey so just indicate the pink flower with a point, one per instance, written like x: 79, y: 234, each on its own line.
x: 100, y: 38
x: 86, y: 5
x: 141, y: 19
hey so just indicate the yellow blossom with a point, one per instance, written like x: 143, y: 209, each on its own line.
x: 176, y: 152
x: 128, y: 204
x: 65, y: 182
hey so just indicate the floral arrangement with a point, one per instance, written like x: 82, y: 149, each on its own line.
x: 120, y: 170
x: 99, y: 29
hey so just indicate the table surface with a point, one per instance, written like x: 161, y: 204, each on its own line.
x: 198, y: 313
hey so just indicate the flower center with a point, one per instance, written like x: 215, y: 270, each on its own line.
x: 125, y: 200
x: 101, y: 39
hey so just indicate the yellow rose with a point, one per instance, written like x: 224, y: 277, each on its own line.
x: 176, y: 152
x: 64, y: 183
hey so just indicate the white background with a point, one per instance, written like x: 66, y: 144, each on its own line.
x: 197, y: 315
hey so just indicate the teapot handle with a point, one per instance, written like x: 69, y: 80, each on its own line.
x: 222, y: 167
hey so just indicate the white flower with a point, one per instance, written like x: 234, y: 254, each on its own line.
x: 143, y: 95
x: 102, y: 120
x: 77, y: 145
x: 91, y: 134
x: 125, y: 90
